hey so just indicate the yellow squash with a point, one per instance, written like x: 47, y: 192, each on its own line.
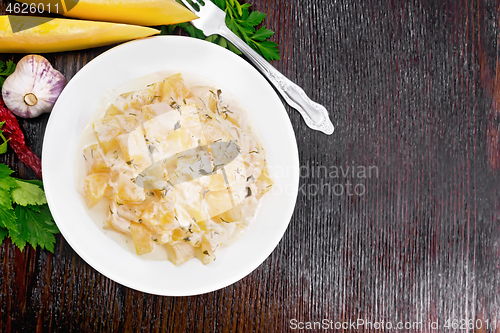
x: 29, y: 34
x: 140, y: 12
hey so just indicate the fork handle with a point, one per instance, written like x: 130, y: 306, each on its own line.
x: 314, y: 114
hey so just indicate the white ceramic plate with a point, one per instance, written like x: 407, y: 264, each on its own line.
x: 72, y: 113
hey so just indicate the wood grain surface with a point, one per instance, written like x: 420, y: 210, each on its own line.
x: 413, y: 88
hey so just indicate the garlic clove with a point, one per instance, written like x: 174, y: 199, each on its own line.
x: 33, y: 88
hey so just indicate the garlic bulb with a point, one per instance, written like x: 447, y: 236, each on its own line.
x: 33, y: 88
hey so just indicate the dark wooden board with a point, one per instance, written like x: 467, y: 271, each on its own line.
x: 413, y: 88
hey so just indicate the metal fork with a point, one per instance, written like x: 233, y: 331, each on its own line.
x: 212, y: 20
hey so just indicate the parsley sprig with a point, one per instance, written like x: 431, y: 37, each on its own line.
x: 243, y: 22
x: 6, y: 68
x: 3, y: 140
x: 24, y: 214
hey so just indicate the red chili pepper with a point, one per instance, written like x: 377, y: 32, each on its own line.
x: 12, y: 131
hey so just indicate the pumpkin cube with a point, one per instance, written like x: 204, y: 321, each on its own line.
x: 207, y: 253
x: 180, y: 252
x: 173, y: 90
x: 135, y: 150
x: 218, y: 202
x: 94, y: 161
x: 95, y: 186
x: 128, y: 191
x: 142, y: 238
x: 107, y: 130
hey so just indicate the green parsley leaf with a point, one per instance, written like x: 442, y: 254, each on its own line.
x: 268, y: 50
x: 3, y: 147
x: 38, y: 183
x: 191, y: 30
x: 30, y: 220
x: 3, y: 141
x: 255, y: 18
x: 28, y: 194
x: 220, y: 3
x: 262, y: 34
x: 6, y: 68
x: 36, y: 227
x: 7, y: 183
x: 3, y: 233
x: 233, y: 48
x: 241, y: 21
